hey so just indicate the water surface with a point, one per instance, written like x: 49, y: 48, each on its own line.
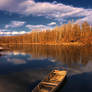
x: 22, y: 67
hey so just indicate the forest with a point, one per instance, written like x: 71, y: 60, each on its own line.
x: 66, y: 33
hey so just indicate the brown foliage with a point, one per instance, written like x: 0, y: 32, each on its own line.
x: 65, y: 33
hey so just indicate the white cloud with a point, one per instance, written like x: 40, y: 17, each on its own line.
x: 11, y: 5
x: 3, y: 3
x: 12, y: 33
x: 2, y: 30
x: 88, y: 19
x: 41, y: 27
x: 52, y: 24
x: 51, y: 9
x: 57, y: 11
x: 15, y: 24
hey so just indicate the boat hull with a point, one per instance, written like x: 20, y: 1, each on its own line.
x: 52, y: 82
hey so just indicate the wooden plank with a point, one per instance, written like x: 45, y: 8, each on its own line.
x: 48, y: 83
x: 51, y: 82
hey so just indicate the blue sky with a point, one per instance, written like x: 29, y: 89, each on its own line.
x: 21, y: 16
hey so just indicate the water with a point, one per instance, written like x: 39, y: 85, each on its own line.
x: 22, y: 67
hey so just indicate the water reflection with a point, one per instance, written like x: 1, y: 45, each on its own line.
x: 79, y: 83
x: 67, y: 55
x: 23, y: 66
x: 23, y: 81
x: 72, y: 58
x: 16, y: 61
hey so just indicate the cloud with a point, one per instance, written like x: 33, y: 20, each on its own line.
x: 3, y: 3
x: 15, y: 24
x: 56, y: 11
x: 41, y: 27
x: 52, y: 24
x: 11, y: 5
x: 88, y: 19
x: 11, y: 33
x: 2, y: 30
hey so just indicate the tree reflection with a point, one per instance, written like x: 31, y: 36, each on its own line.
x: 67, y: 55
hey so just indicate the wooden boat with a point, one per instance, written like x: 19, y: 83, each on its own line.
x: 2, y: 49
x: 51, y: 82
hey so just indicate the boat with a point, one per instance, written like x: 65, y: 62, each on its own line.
x: 2, y: 49
x: 52, y: 82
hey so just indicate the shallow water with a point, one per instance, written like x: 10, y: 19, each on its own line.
x: 22, y: 67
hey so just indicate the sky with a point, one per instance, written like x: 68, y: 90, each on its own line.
x: 22, y: 16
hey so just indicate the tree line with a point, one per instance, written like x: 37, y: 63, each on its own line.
x: 60, y: 34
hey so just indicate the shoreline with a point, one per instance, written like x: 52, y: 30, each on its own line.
x: 50, y: 44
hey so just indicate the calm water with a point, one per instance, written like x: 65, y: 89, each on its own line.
x: 24, y: 66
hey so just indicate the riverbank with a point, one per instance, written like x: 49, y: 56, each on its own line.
x: 50, y: 44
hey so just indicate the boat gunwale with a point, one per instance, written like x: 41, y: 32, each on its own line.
x: 54, y: 88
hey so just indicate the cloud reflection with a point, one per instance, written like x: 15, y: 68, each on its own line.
x: 16, y: 61
x: 72, y: 58
x: 18, y: 53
